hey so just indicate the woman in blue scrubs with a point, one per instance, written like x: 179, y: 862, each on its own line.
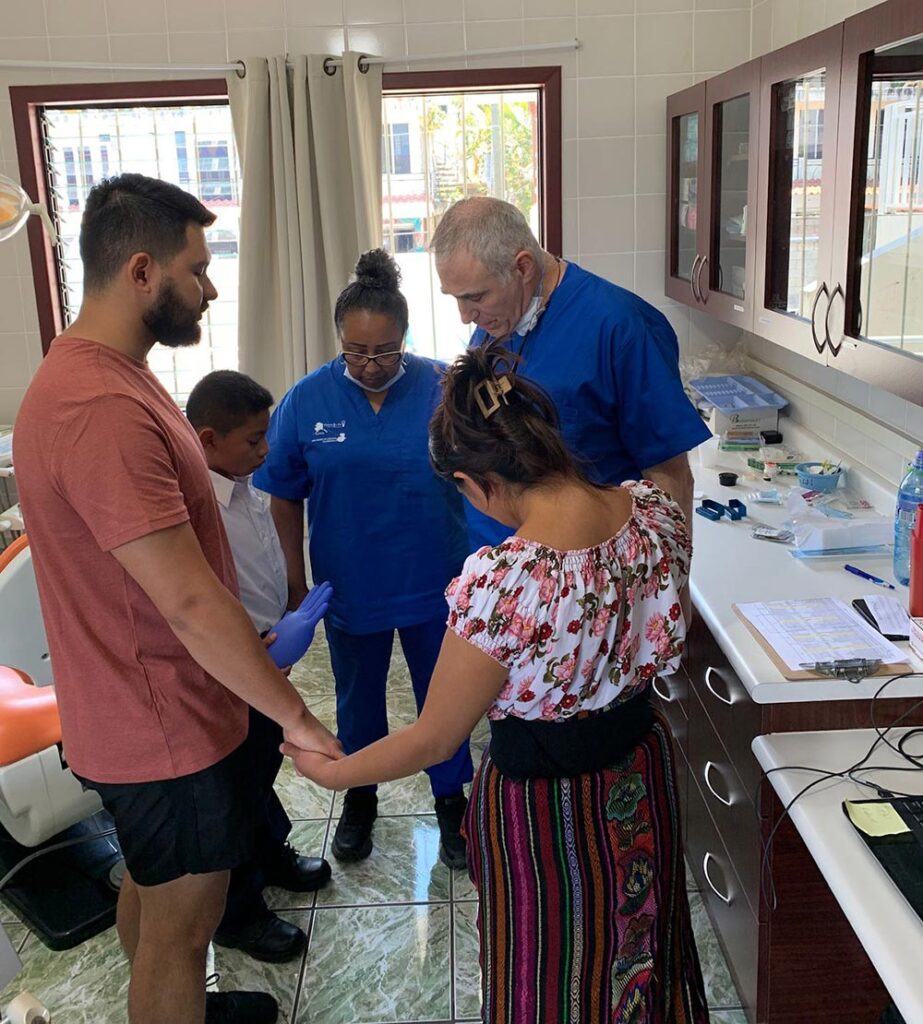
x: 351, y: 438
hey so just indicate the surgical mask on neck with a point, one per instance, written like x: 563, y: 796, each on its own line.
x: 529, y: 318
x: 402, y: 369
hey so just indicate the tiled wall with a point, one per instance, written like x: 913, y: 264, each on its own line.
x: 873, y: 427
x: 635, y: 53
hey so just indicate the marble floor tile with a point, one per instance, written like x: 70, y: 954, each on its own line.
x: 308, y: 838
x: 404, y: 867
x: 301, y: 798
x: 728, y: 1017
x: 84, y: 985
x: 404, y: 796
x: 691, y: 884
x: 467, y: 969
x: 239, y: 971
x: 462, y: 887
x: 374, y: 965
x: 17, y: 934
x: 719, y: 988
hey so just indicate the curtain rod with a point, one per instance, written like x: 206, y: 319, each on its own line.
x: 240, y: 67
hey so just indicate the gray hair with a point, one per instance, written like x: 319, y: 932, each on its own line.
x: 490, y: 229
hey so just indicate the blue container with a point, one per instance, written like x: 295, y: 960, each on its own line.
x: 810, y: 479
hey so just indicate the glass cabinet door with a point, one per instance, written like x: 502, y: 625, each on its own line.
x: 875, y: 324
x: 687, y: 196
x: 798, y: 147
x: 732, y: 116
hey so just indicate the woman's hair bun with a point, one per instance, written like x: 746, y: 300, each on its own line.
x: 377, y: 269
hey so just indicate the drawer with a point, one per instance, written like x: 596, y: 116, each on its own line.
x: 727, y: 799
x: 736, y: 718
x: 736, y: 927
x: 670, y: 695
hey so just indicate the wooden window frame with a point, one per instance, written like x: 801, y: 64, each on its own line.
x: 28, y: 101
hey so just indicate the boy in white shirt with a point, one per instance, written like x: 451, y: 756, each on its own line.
x: 230, y: 413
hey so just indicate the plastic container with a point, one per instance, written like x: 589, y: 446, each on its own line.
x: 906, y: 512
x: 916, y: 570
x: 811, y: 479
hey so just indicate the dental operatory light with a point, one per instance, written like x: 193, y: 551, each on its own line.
x: 15, y: 208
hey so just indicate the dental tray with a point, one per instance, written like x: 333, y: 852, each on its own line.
x: 736, y: 392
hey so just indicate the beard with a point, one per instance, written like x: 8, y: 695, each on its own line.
x: 172, y: 323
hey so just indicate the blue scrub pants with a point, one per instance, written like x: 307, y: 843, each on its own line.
x: 360, y: 667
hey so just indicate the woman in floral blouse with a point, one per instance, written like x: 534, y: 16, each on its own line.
x: 556, y: 634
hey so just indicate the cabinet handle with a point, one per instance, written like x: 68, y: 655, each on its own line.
x: 692, y: 283
x: 835, y: 349
x: 711, y: 789
x: 665, y: 697
x: 727, y: 899
x: 819, y: 345
x: 703, y: 298
x: 708, y: 686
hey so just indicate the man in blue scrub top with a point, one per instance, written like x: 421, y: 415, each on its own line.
x: 607, y: 358
x: 352, y: 438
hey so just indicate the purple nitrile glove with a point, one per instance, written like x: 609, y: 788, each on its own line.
x: 295, y: 630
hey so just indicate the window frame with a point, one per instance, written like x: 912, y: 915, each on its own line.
x: 27, y: 103
x: 547, y: 80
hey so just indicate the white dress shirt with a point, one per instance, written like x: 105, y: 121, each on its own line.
x: 255, y: 545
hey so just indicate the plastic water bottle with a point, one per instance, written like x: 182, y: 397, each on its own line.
x: 909, y: 500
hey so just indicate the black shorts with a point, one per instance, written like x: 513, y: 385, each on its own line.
x: 192, y: 825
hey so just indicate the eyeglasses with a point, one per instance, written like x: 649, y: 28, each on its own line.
x: 385, y: 359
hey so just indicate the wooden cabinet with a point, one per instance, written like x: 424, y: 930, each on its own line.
x: 826, y: 255
x: 796, y: 959
x: 711, y: 194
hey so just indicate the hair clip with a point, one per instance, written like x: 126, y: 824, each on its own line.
x: 494, y: 391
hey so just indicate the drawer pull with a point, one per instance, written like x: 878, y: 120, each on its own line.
x: 711, y: 789
x: 665, y: 697
x: 721, y: 896
x: 709, y: 672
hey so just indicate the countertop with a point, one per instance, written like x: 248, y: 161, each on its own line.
x: 730, y: 567
x: 887, y: 927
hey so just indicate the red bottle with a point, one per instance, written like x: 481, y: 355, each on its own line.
x: 916, y: 567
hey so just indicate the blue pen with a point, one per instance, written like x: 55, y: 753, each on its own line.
x: 868, y: 576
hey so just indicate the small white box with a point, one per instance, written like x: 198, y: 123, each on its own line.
x: 916, y: 637
x: 764, y: 418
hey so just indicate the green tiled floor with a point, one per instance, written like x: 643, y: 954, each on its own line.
x: 392, y: 939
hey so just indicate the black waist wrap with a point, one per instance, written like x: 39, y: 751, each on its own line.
x: 587, y: 742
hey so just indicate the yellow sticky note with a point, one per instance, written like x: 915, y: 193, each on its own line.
x: 876, y: 819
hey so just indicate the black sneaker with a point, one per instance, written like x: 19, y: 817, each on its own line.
x: 353, y: 837
x: 450, y: 812
x: 267, y: 937
x: 240, y: 1008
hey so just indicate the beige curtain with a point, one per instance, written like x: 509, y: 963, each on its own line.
x: 310, y: 152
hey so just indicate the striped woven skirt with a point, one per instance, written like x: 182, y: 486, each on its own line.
x: 583, y: 915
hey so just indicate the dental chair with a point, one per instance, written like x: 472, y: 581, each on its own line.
x: 66, y: 895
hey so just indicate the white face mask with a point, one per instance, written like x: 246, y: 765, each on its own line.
x: 534, y: 310
x: 402, y: 369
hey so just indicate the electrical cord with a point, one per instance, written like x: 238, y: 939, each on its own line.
x: 7, y: 878
x: 770, y: 896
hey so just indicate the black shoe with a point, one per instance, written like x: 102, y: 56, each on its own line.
x: 450, y: 812
x: 290, y: 870
x: 269, y: 938
x: 240, y: 1008
x: 353, y: 837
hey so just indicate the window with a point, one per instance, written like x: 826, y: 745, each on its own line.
x: 448, y: 135
x: 91, y: 132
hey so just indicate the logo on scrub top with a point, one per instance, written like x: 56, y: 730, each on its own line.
x: 329, y: 433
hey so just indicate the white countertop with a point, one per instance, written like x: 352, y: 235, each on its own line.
x: 887, y: 927
x: 730, y: 567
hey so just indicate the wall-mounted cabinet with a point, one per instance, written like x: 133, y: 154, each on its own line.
x: 711, y: 194
x: 826, y: 255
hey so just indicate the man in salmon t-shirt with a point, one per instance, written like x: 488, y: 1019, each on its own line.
x: 155, y: 659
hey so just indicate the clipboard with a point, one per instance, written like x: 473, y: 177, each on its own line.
x: 898, y: 669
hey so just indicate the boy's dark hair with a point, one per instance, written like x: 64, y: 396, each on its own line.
x: 133, y: 213
x: 519, y: 441
x: 224, y: 400
x: 375, y: 289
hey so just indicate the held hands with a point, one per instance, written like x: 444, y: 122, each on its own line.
x: 314, y: 766
x: 307, y: 734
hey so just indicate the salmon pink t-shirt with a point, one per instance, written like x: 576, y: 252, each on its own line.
x: 104, y: 456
